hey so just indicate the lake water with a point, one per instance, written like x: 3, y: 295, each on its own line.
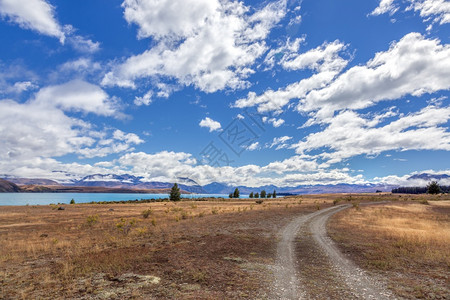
x: 48, y: 198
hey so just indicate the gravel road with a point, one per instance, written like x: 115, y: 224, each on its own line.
x: 311, y: 229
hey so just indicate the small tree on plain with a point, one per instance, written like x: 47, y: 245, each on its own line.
x: 236, y: 193
x: 263, y: 194
x: 230, y: 195
x: 274, y: 194
x: 175, y: 194
x: 257, y: 195
x: 269, y: 195
x: 250, y: 195
x: 433, y: 188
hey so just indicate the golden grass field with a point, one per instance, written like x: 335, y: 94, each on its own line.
x: 407, y: 243
x: 203, y: 249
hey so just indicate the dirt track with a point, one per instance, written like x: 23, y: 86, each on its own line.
x: 292, y: 272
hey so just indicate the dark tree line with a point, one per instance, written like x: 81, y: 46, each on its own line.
x: 432, y: 188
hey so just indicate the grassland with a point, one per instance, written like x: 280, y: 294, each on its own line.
x: 407, y: 243
x: 186, y: 250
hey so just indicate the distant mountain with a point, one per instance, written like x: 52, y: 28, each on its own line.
x: 130, y: 181
x: 429, y: 177
x: 8, y: 187
x: 31, y: 181
x: 220, y: 188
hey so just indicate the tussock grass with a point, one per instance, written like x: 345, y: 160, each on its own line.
x: 407, y: 242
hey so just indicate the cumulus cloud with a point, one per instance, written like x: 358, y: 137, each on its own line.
x: 209, y: 44
x: 324, y: 60
x: 412, y: 66
x: 40, y: 16
x: 36, y: 15
x: 210, y: 124
x: 41, y: 127
x: 411, y: 180
x: 144, y: 100
x: 385, y: 6
x: 77, y: 95
x: 434, y: 11
x: 168, y: 166
x: 350, y: 134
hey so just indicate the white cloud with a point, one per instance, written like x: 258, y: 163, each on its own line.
x: 324, y: 59
x: 210, y: 44
x: 436, y: 11
x: 77, y: 95
x: 41, y: 127
x: 144, y: 100
x: 83, y: 44
x: 168, y: 166
x: 254, y: 146
x: 275, y: 122
x: 280, y: 142
x: 36, y: 15
x: 412, y: 66
x: 169, y: 18
x: 410, y: 180
x: 210, y: 124
x: 385, y: 6
x: 349, y: 134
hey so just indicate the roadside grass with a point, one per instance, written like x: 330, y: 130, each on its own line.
x: 406, y: 242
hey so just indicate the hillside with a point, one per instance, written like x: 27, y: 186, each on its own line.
x: 8, y: 187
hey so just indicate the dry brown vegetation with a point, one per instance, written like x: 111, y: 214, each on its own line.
x: 407, y: 243
x: 186, y: 250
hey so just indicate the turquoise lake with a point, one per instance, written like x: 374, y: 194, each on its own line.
x: 48, y: 198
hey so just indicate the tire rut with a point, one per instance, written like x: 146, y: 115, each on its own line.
x: 290, y: 280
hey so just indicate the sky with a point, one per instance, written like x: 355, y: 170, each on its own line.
x: 248, y: 93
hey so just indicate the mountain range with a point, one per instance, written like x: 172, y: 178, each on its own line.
x: 127, y: 183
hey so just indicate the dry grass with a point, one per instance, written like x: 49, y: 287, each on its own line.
x: 81, y: 251
x: 407, y: 242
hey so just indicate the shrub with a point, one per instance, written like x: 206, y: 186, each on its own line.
x: 147, y: 213
x: 433, y: 188
x: 260, y: 201
x: 72, y: 201
x: 92, y: 220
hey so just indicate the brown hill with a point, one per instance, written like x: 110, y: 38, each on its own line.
x: 89, y: 189
x: 8, y: 187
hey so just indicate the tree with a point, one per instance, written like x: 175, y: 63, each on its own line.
x: 236, y: 193
x: 257, y: 195
x: 175, y: 194
x: 269, y: 195
x: 250, y: 195
x: 274, y: 194
x: 263, y: 194
x: 72, y: 201
x: 230, y: 195
x: 433, y: 188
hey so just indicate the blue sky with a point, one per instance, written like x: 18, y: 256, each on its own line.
x: 245, y: 93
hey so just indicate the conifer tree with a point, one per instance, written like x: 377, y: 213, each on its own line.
x: 175, y: 194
